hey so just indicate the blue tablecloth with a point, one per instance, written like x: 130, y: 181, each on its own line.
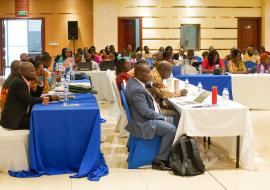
x: 66, y: 139
x: 221, y: 81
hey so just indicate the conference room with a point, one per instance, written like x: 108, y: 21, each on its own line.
x: 134, y: 94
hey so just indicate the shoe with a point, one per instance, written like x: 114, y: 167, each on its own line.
x: 161, y: 166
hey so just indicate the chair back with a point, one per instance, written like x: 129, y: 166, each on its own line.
x: 176, y: 69
x: 125, y: 103
x: 250, y: 64
x: 199, y: 59
x: 150, y: 62
x: 226, y: 66
x: 124, y: 86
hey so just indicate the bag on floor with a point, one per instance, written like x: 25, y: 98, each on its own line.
x: 185, y: 157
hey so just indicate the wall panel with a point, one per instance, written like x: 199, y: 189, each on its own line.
x: 207, y: 3
x: 162, y: 20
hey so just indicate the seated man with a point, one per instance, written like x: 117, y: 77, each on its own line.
x: 16, y: 113
x: 95, y: 65
x: 161, y: 93
x: 180, y: 55
x: 24, y: 57
x: 15, y: 66
x: 147, y: 121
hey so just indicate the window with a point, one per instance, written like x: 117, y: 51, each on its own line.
x: 190, y: 36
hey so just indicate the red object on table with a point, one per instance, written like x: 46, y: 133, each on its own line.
x: 214, y: 95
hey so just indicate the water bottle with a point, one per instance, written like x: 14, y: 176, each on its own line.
x: 66, y: 91
x: 200, y: 69
x: 200, y: 87
x: 72, y: 74
x: 183, y: 70
x: 186, y: 84
x: 68, y: 76
x: 262, y: 69
x: 225, y: 96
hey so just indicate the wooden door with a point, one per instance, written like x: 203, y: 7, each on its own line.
x: 126, y: 33
x: 249, y: 33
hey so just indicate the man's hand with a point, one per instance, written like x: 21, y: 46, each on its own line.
x: 54, y: 98
x: 183, y: 92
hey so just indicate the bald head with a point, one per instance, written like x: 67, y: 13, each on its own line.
x: 15, y: 67
x: 142, y: 72
x: 165, y: 69
x: 27, y: 70
x: 24, y: 57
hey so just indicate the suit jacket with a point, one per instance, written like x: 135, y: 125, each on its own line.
x: 19, y: 100
x: 176, y: 56
x: 142, y: 109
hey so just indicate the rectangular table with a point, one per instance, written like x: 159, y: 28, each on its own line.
x: 101, y: 81
x: 208, y: 80
x: 66, y: 139
x: 219, y: 121
x: 252, y: 90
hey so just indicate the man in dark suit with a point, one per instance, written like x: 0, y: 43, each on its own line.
x: 16, y: 112
x: 147, y: 120
x: 180, y: 55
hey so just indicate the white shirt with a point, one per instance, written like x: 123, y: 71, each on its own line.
x: 156, y: 106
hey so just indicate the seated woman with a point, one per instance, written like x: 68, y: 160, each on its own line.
x: 46, y: 60
x: 64, y: 60
x: 93, y: 55
x: 39, y: 68
x: 122, y: 72
x: 264, y: 65
x: 236, y: 65
x: 250, y: 55
x: 212, y: 62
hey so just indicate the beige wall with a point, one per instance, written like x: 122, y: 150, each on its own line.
x: 56, y: 14
x: 266, y: 23
x: 162, y: 19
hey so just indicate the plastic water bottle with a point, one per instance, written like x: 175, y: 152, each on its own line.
x: 200, y: 87
x: 68, y: 76
x: 66, y: 91
x: 183, y: 70
x: 200, y: 69
x: 225, y: 96
x: 186, y: 84
x: 72, y: 74
x: 262, y: 69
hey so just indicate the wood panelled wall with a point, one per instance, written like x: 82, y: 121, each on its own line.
x: 162, y: 20
x: 56, y: 14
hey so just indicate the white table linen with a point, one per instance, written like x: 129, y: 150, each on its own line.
x: 101, y: 81
x: 252, y: 90
x: 105, y: 84
x: 13, y: 150
x: 232, y: 119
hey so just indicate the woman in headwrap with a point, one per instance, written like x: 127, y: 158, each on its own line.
x: 264, y: 63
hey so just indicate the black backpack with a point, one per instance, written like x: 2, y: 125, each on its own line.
x: 185, y: 157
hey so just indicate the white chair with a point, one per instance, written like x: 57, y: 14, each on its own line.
x: 13, y: 150
x: 190, y: 70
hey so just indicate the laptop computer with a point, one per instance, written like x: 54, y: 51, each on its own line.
x: 107, y: 65
x: 198, y: 100
x: 84, y: 66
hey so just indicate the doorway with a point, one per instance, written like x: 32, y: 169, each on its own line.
x: 129, y: 32
x: 249, y: 33
x: 20, y: 36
